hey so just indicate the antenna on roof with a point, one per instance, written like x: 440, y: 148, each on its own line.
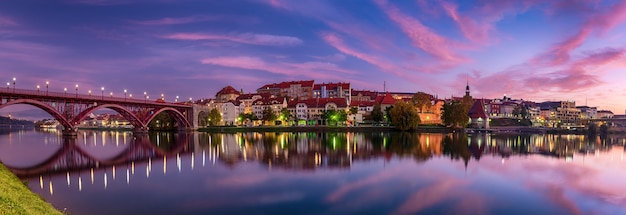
x: 384, y: 86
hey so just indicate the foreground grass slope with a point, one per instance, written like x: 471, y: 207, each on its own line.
x: 16, y: 198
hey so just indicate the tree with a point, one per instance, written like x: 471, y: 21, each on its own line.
x: 215, y: 117
x: 285, y: 115
x: 162, y: 121
x: 377, y: 114
x: 268, y: 115
x: 354, y: 110
x: 455, y: 114
x: 520, y: 112
x: 421, y: 100
x: 404, y: 116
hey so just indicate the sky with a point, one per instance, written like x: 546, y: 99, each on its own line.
x: 531, y: 49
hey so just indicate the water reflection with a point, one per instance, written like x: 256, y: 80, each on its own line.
x: 360, y: 169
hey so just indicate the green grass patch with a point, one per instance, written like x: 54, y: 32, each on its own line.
x: 16, y: 198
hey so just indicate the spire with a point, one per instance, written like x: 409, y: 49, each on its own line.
x: 467, y: 90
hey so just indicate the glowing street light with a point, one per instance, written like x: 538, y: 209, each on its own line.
x: 38, y: 88
x: 65, y: 90
x: 125, y: 94
x: 76, y: 90
x: 8, y: 84
x: 89, y: 93
x: 14, y: 84
x: 162, y: 97
x: 111, y: 93
x: 102, y: 90
x: 176, y: 99
x: 47, y: 83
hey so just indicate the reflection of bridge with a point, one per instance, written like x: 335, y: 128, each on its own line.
x: 72, y: 157
x: 72, y: 108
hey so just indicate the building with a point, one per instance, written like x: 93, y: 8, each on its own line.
x: 230, y: 111
x: 276, y: 104
x: 309, y: 111
x: 587, y: 112
x: 605, y: 114
x: 477, y: 115
x: 332, y: 90
x: 227, y: 93
x: 560, y: 114
x: 293, y: 90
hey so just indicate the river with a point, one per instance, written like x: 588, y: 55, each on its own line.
x: 110, y: 172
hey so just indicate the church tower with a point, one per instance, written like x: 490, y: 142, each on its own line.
x: 467, y: 91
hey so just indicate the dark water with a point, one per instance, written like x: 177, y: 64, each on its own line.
x: 320, y: 173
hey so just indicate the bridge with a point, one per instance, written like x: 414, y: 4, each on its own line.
x: 70, y: 109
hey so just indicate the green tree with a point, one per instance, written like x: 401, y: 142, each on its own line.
x: 377, y: 114
x: 387, y: 115
x: 215, y: 117
x: 455, y: 114
x: 421, y: 100
x: 268, y: 115
x: 404, y: 116
x: 285, y: 115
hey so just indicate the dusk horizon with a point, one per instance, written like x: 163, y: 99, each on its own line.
x: 532, y: 50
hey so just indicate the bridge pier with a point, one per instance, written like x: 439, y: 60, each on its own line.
x: 143, y: 130
x: 70, y: 132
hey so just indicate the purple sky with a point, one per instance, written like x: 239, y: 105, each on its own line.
x: 536, y: 50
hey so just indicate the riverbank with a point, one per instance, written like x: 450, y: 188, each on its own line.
x: 222, y: 129
x: 16, y: 198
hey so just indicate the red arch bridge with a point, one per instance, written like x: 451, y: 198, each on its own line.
x: 70, y: 109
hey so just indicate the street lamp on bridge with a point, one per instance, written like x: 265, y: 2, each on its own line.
x: 102, y: 90
x: 111, y: 93
x: 47, y: 83
x: 37, y: 88
x: 76, y: 90
x: 13, y: 84
x: 162, y: 97
x: 125, y: 94
x: 176, y: 99
x: 8, y: 84
x: 145, y: 95
x: 89, y: 91
x: 65, y: 90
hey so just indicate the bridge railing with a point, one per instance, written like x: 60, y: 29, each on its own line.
x: 94, y: 97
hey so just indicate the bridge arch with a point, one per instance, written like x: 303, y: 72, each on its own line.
x: 45, y: 107
x: 202, y: 118
x: 134, y: 120
x: 177, y: 115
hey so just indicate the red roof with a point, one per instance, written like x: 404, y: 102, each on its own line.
x: 332, y: 86
x: 269, y: 100
x: 227, y: 90
x: 285, y: 84
x: 354, y: 103
x: 387, y: 99
x: 477, y: 110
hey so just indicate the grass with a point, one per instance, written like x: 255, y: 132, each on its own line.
x: 16, y: 198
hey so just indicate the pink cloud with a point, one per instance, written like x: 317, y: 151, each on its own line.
x: 315, y: 70
x: 423, y: 37
x: 476, y: 32
x: 173, y: 21
x: 600, y: 23
x: 248, y: 38
x: 6, y: 22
